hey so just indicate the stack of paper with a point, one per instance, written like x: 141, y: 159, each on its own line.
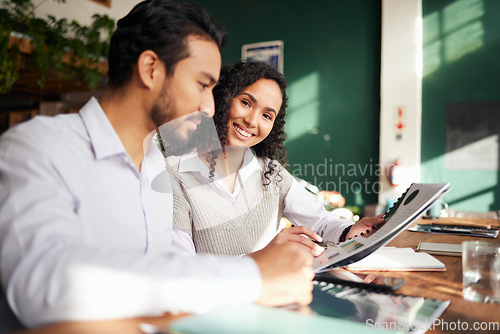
x: 398, y: 259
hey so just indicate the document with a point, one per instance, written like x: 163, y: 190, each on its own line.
x: 412, y: 204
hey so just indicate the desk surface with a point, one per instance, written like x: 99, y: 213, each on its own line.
x: 445, y: 285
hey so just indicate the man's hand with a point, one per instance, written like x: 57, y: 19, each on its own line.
x: 365, y: 225
x: 286, y: 271
x: 301, y: 235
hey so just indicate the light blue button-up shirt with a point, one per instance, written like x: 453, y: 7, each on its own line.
x: 84, y: 236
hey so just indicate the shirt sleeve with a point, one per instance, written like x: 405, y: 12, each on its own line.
x: 182, y: 242
x: 50, y: 274
x: 303, y: 209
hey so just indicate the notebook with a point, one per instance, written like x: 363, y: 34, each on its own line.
x: 412, y: 204
x: 398, y: 259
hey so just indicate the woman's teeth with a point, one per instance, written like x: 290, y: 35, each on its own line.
x: 242, y: 132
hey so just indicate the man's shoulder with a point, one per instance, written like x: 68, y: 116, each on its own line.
x: 48, y: 125
x: 45, y: 132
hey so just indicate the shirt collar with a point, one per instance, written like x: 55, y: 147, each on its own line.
x: 191, y: 163
x: 153, y: 162
x: 103, y: 137
x: 250, y: 164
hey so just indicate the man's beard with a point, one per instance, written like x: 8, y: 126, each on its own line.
x: 163, y: 111
x: 176, y: 138
x: 163, y: 115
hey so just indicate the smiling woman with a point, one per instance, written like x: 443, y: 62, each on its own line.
x: 252, y: 114
x: 231, y: 193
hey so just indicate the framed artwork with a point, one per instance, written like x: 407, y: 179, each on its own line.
x: 268, y: 52
x: 106, y: 3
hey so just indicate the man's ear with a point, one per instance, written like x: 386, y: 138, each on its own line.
x: 149, y: 67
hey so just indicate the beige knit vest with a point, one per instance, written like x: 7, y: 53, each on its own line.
x: 219, y: 227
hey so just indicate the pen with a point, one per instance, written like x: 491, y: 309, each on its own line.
x: 320, y: 243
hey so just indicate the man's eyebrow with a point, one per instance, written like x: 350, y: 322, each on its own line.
x: 255, y: 100
x: 210, y: 77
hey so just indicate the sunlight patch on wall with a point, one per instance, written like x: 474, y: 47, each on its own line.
x: 431, y: 51
x: 459, y: 13
x: 431, y: 57
x: 463, y: 41
x: 303, y: 108
x: 452, y: 33
x: 431, y: 25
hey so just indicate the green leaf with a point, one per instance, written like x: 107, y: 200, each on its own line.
x: 50, y: 40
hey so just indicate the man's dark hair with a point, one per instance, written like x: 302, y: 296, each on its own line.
x: 163, y: 27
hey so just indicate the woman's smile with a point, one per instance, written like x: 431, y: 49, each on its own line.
x: 253, y: 112
x: 242, y: 132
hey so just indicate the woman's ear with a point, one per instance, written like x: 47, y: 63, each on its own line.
x: 149, y: 67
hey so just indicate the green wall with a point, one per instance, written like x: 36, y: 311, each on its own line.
x: 332, y: 65
x: 461, y: 64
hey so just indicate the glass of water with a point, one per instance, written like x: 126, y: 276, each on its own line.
x: 481, y: 271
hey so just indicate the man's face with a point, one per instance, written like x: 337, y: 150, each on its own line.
x: 186, y: 96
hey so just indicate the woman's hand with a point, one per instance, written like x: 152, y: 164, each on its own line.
x: 364, y: 226
x: 301, y: 235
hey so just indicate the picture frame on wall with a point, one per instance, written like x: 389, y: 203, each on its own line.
x: 268, y: 52
x: 106, y: 3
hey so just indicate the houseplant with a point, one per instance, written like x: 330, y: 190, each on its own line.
x: 54, y: 44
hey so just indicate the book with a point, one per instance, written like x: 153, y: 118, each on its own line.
x: 398, y: 259
x: 412, y: 204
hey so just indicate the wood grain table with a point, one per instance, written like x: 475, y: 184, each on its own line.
x: 461, y: 316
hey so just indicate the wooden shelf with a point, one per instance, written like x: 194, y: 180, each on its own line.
x: 56, y: 83
x: 23, y: 102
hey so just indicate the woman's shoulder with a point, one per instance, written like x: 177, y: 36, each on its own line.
x: 265, y: 162
x: 278, y: 172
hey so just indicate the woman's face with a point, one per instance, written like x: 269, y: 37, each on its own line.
x: 253, y: 112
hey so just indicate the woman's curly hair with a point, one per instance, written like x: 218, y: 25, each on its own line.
x: 234, y: 78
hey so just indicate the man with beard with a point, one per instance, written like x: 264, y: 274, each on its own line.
x: 85, y: 221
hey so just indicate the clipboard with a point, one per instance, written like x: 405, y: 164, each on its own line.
x: 412, y: 204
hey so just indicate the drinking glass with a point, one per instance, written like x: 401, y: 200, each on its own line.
x: 481, y: 271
